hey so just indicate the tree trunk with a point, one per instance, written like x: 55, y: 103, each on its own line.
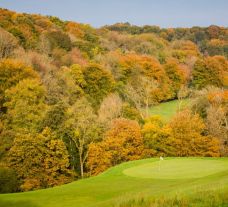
x: 147, y: 108
x: 81, y: 165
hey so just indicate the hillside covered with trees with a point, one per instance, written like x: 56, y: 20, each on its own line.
x: 75, y: 100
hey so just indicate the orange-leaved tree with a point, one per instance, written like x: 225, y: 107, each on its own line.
x: 188, y: 139
x: 123, y: 142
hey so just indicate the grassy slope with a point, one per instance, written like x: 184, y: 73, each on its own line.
x: 109, y: 187
x: 168, y: 109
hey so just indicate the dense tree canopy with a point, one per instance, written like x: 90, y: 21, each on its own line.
x: 25, y: 105
x: 76, y: 100
x: 123, y: 142
x: 40, y: 160
x: 11, y: 72
x: 99, y: 83
x: 209, y: 71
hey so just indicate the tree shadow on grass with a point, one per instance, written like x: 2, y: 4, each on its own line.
x: 23, y: 203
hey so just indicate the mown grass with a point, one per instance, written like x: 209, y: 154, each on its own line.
x: 110, y: 187
x: 177, y: 169
x: 168, y: 109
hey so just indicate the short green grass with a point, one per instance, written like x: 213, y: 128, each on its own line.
x: 177, y: 169
x: 168, y: 109
x: 108, y: 188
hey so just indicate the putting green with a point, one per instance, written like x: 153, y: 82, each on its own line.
x: 177, y: 168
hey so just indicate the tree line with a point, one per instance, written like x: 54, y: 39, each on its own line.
x: 75, y: 100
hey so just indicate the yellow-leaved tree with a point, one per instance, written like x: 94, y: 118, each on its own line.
x: 183, y: 136
x: 40, y: 160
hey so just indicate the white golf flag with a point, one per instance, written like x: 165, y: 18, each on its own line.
x: 161, y: 158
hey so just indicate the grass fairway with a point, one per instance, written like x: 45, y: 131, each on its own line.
x: 168, y: 109
x: 142, y: 177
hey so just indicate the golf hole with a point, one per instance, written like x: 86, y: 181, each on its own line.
x: 177, y: 168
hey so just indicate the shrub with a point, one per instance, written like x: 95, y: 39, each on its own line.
x: 8, y: 180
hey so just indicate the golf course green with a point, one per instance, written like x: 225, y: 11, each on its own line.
x: 177, y: 169
x: 150, y: 177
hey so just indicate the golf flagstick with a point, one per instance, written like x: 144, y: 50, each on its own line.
x: 161, y: 158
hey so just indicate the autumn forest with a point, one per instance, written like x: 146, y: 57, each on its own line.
x: 76, y: 100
